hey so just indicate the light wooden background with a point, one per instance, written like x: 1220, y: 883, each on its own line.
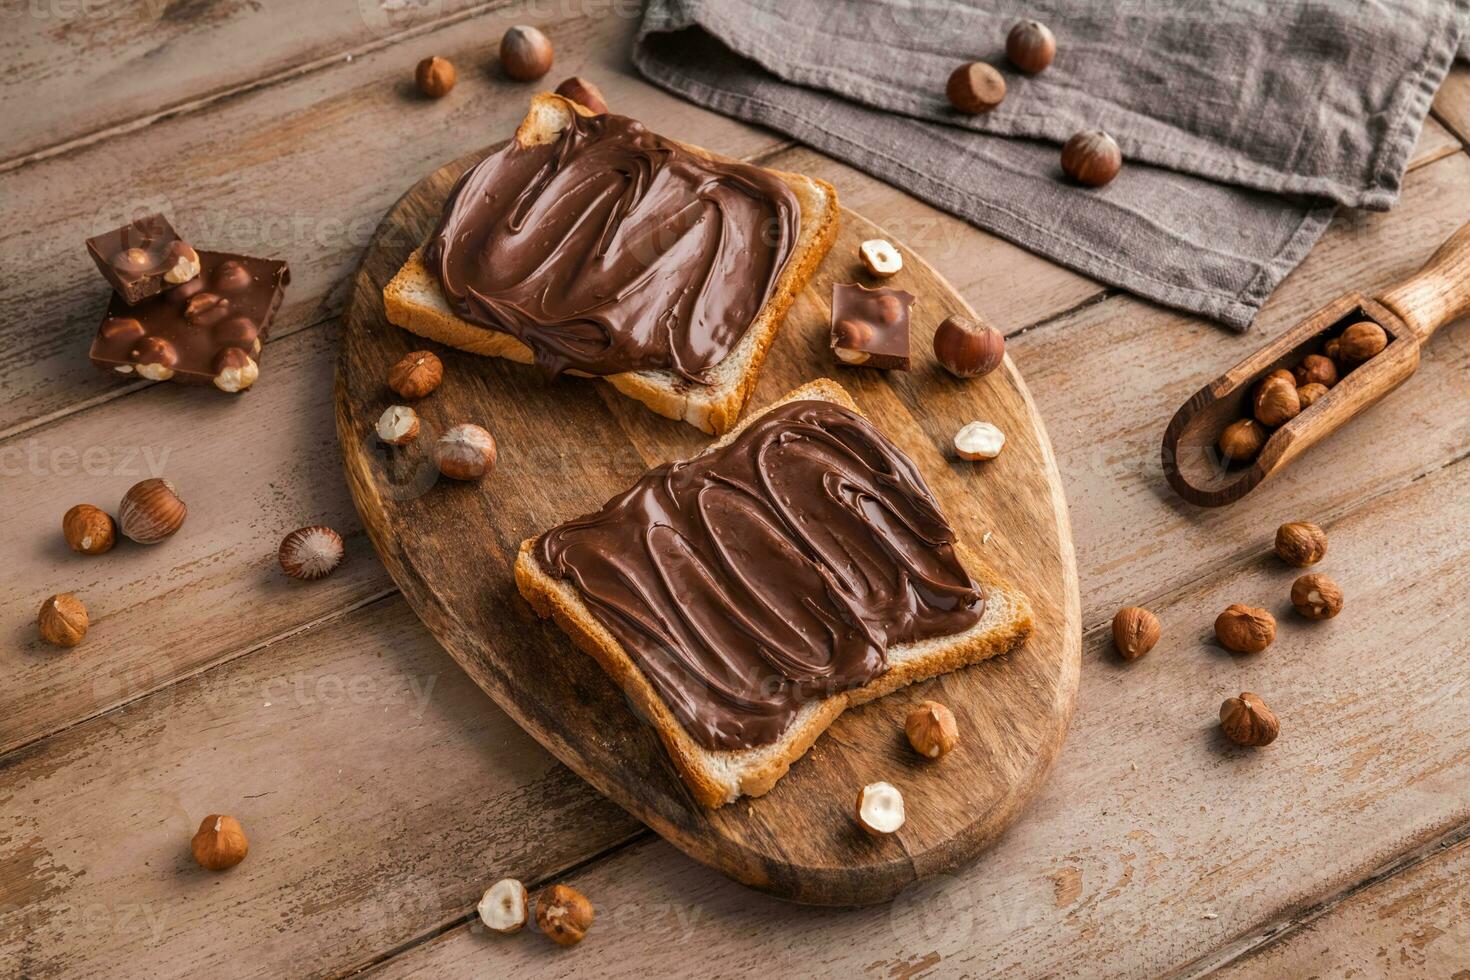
x: 382, y: 791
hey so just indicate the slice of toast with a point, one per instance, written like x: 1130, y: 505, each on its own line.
x: 414, y: 301
x: 717, y: 777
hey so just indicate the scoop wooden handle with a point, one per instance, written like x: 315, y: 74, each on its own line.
x: 1437, y: 293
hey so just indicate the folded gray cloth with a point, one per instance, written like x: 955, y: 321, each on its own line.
x: 1243, y: 123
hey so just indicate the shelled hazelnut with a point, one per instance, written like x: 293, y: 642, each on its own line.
x: 975, y: 87
x: 1276, y: 401
x: 503, y: 906
x: 1092, y: 158
x: 62, y: 620
x: 435, y: 76
x: 1247, y: 721
x: 1309, y: 394
x: 931, y: 729
x: 1135, y: 631
x: 416, y: 374
x: 1361, y: 341
x: 1301, y: 543
x: 220, y: 843
x: 89, y: 530
x: 1242, y: 440
x: 564, y: 914
x: 1316, y: 596
x: 880, y: 809
x: 1315, y: 369
x: 1245, y: 629
x: 525, y: 53
x: 880, y: 258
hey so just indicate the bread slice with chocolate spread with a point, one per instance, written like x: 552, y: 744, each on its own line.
x: 414, y: 300
x: 719, y: 776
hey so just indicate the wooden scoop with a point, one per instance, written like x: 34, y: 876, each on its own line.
x: 1409, y: 313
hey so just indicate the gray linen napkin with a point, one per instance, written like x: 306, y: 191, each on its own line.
x: 1243, y: 122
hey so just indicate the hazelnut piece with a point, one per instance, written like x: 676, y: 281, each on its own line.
x: 62, y: 620
x: 1276, y: 402
x: 1247, y: 721
x: 975, y: 87
x: 931, y: 729
x: 1361, y: 341
x: 584, y: 93
x: 1316, y: 596
x: 1030, y: 46
x: 1315, y: 369
x: 231, y: 276
x: 465, y: 452
x: 1310, y: 393
x: 1242, y: 441
x: 1092, y: 158
x: 435, y: 76
x: 88, y: 530
x: 205, y: 309
x: 416, y: 374
x: 564, y: 914
x: 1301, y: 543
x: 525, y: 53
x: 1245, y: 629
x: 219, y: 843
x: 121, y: 329
x: 979, y: 440
x: 1135, y: 631
x: 132, y: 260
x: 968, y: 348
x: 151, y: 511
x: 184, y: 265
x: 310, y: 553
x: 880, y: 258
x: 1333, y: 350
x: 849, y: 337
x: 156, y: 358
x: 880, y: 809
x: 503, y: 906
x: 235, y: 370
x: 398, y: 425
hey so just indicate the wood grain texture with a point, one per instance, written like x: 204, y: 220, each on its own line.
x: 250, y: 175
x: 380, y: 789
x: 1452, y: 101
x: 1156, y: 838
x: 566, y: 447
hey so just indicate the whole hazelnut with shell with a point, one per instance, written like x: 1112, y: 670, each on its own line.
x: 1245, y: 629
x: 1092, y: 158
x: 435, y: 76
x: 968, y: 348
x: 465, y: 452
x: 975, y: 87
x: 525, y: 53
x: 1030, y: 46
x: 151, y: 511
x: 584, y: 93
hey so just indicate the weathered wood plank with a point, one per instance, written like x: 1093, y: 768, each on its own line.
x: 1155, y: 838
x: 1109, y: 376
x: 1452, y: 102
x: 302, y: 170
x: 1435, y: 141
x: 1412, y: 924
x: 380, y: 790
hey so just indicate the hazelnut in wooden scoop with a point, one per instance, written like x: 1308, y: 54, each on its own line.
x: 1309, y: 394
x: 975, y: 88
x: 1362, y: 341
x: 1276, y: 402
x: 563, y: 914
x: 1245, y: 629
x: 1247, y: 721
x: 220, y: 842
x: 525, y: 53
x: 968, y: 348
x: 1242, y: 441
x: 931, y: 729
x: 1315, y: 369
x: 1301, y: 543
x: 1092, y: 158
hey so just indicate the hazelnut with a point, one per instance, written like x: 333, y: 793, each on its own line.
x: 184, y: 265
x: 880, y: 809
x: 398, y: 425
x: 88, y: 530
x: 132, y: 260
x: 310, y: 553
x: 525, y: 53
x: 151, y: 511
x: 975, y: 87
x: 1247, y: 721
x: 1301, y: 543
x: 503, y: 906
x: 1315, y: 369
x: 205, y: 309
x: 880, y: 258
x: 931, y: 729
x: 979, y: 440
x: 1276, y: 402
x: 1135, y: 631
x: 121, y: 329
x: 219, y: 843
x: 1245, y: 629
x: 416, y: 374
x: 1309, y: 394
x: 1333, y: 350
x: 1361, y: 341
x: 849, y: 337
x: 62, y: 620
x: 1242, y: 441
x: 231, y: 276
x: 1316, y: 596
x: 584, y: 93
x: 564, y: 914
x: 238, y: 331
x: 234, y: 370
x: 1030, y: 46
x: 968, y: 348
x: 435, y: 76
x: 1092, y: 158
x: 465, y: 452
x: 156, y: 358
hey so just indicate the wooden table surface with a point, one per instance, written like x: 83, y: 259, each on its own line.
x: 382, y: 791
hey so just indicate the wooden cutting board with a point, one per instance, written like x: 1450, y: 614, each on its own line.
x: 566, y: 446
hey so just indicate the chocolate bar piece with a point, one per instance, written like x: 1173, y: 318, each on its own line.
x: 143, y: 258
x: 870, y: 327
x: 207, y: 330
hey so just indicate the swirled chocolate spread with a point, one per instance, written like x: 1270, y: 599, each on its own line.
x: 611, y: 249
x: 774, y: 570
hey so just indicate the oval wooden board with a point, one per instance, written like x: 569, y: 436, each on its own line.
x: 566, y: 446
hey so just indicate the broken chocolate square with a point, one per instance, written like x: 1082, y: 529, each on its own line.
x: 870, y: 327
x: 143, y: 258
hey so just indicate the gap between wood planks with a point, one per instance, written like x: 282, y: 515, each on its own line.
x: 230, y: 92
x: 1254, y: 940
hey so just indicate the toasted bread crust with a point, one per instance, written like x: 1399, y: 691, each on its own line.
x: 413, y: 301
x: 716, y: 777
